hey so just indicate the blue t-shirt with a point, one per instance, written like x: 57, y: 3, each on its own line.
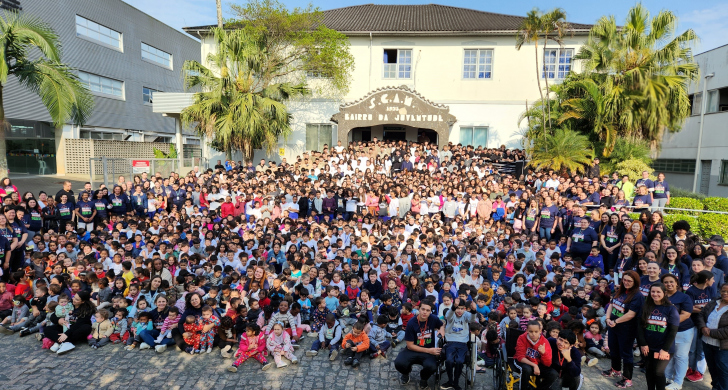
x: 683, y: 302
x: 620, y: 308
x: 641, y: 201
x: 422, y: 333
x: 645, y: 285
x: 548, y: 216
x: 656, y: 327
x: 700, y: 297
x: 582, y: 239
x: 661, y: 190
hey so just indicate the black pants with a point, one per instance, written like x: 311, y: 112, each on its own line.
x: 78, y: 334
x: 5, y: 313
x: 406, y: 359
x: 543, y: 381
x: 655, y: 372
x: 347, y: 352
x: 567, y: 381
x: 621, y: 340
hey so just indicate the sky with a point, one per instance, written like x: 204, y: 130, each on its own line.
x: 709, y: 18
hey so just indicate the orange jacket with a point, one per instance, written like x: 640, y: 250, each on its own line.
x: 361, y: 341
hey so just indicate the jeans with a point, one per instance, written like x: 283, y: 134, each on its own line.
x: 621, y: 339
x: 678, y: 366
x: 596, y: 352
x: 317, y: 344
x: 717, y: 365
x: 545, y: 232
x: 573, y: 383
x: 658, y: 204
x: 455, y: 354
x: 696, y: 352
x: 148, y: 336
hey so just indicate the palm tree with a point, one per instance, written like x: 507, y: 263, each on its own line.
x: 234, y: 106
x: 592, y: 109
x: 219, y: 13
x: 564, y: 150
x: 529, y: 32
x: 64, y: 96
x: 555, y: 27
x: 643, y: 70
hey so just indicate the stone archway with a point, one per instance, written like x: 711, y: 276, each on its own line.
x: 394, y: 105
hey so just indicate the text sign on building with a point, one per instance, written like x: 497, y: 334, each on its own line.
x: 140, y: 166
x: 397, y: 107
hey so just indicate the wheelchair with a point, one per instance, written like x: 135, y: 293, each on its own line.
x: 505, y: 373
x: 469, y: 368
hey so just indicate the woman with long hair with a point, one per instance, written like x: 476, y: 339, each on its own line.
x: 610, y: 237
x: 623, y: 313
x: 656, y: 335
x: 77, y: 323
x: 675, y: 267
x: 678, y: 366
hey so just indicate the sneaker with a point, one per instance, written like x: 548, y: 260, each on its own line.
x: 673, y: 386
x: 226, y: 355
x: 311, y: 353
x: 404, y: 379
x: 583, y: 360
x: 424, y: 385
x: 232, y: 369
x: 312, y: 334
x: 636, y: 352
x: 695, y: 376
x: 39, y: 336
x: 130, y: 347
x: 592, y: 362
x: 160, y: 348
x: 348, y: 361
x: 294, y: 360
x: 24, y: 332
x: 267, y: 366
x: 209, y: 349
x: 610, y: 373
x: 55, y: 347
x: 355, y: 363
x: 144, y: 346
x: 383, y: 354
x: 5, y: 330
x: 447, y: 385
x: 197, y: 351
x: 65, y: 347
x: 283, y: 364
x: 624, y: 383
x: 374, y: 355
x: 333, y: 355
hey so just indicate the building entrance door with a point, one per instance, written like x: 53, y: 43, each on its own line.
x: 705, y: 176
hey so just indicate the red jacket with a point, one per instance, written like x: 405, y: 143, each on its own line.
x: 525, y: 348
x: 226, y: 209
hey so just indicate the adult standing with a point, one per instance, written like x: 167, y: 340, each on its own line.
x: 68, y: 191
x: 656, y: 333
x: 678, y: 366
x: 661, y: 194
x: 421, y: 345
x: 702, y: 293
x: 582, y: 239
x: 623, y: 313
x: 547, y: 221
x: 721, y: 260
x: 713, y: 325
x: 78, y: 324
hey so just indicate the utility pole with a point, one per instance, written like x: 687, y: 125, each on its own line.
x: 219, y: 13
x: 703, y: 105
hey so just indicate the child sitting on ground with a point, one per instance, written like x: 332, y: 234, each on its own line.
x: 169, y: 322
x: 378, y: 343
x: 594, y: 342
x: 329, y: 337
x: 193, y: 329
x: 354, y: 345
x: 227, y: 336
x: 252, y: 344
x: 101, y: 330
x: 279, y: 345
x: 120, y: 333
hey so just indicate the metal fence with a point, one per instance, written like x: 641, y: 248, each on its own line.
x: 107, y: 170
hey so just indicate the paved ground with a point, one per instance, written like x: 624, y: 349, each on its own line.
x: 26, y: 366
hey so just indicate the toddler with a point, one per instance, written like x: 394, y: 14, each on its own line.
x: 207, y: 338
x: 120, y: 325
x: 101, y: 330
x: 595, y: 342
x: 64, y: 308
x: 279, y: 344
x: 166, y: 330
x: 193, y: 329
x: 252, y: 344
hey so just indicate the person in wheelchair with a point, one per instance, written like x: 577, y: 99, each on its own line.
x: 533, y: 357
x: 457, y: 334
x: 566, y: 360
x: 421, y: 347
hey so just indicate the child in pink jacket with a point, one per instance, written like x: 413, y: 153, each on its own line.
x: 252, y: 344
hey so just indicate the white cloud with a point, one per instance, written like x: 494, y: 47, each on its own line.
x: 711, y: 25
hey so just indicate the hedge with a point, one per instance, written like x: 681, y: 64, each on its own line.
x: 672, y: 218
x: 712, y: 224
x: 685, y: 203
x: 715, y: 204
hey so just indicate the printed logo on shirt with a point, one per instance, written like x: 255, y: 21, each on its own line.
x: 533, y: 354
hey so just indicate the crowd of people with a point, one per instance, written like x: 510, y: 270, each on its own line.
x: 374, y: 249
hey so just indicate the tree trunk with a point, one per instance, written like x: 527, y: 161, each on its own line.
x: 219, y: 13
x: 3, y: 147
x: 540, y: 91
x: 546, y: 80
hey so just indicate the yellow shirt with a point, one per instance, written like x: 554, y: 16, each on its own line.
x: 488, y: 294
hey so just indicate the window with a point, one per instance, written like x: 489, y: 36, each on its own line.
x: 102, y: 85
x: 94, y: 31
x: 156, y: 56
x: 147, y: 94
x: 474, y: 136
x: 557, y: 63
x: 717, y: 101
x: 674, y: 165
x: 397, y: 64
x: 157, y: 138
x: 93, y: 134
x: 723, y: 179
x: 478, y: 64
x: 317, y: 135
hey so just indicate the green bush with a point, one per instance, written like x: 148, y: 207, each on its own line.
x: 634, y: 168
x: 634, y: 216
x: 683, y: 193
x: 685, y: 203
x: 672, y: 218
x: 712, y: 224
x: 716, y: 204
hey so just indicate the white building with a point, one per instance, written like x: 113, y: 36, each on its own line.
x: 679, y: 155
x: 450, y: 73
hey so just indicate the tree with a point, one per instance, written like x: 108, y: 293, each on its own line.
x: 219, y: 13
x: 564, y: 150
x: 236, y: 108
x: 555, y: 27
x: 528, y: 32
x: 63, y: 95
x: 642, y: 70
